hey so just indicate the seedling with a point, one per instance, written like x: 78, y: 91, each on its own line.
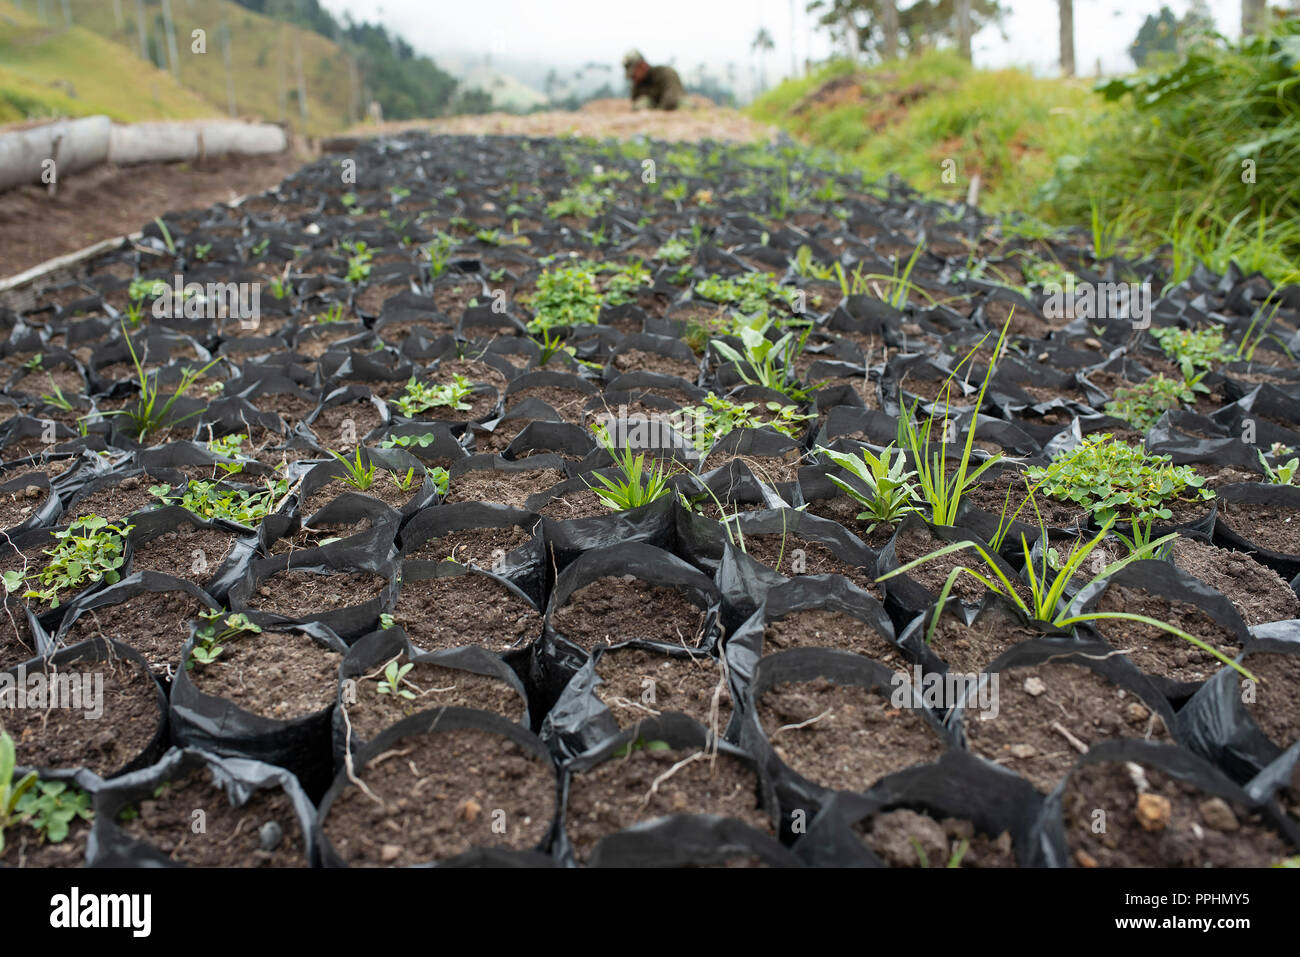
x: 636, y: 486
x: 88, y: 550
x: 718, y: 416
x: 1193, y: 351
x: 212, y: 500
x: 217, y: 629
x: 1108, y: 478
x: 359, y: 476
x: 942, y: 493
x: 891, y: 492
x: 641, y: 744
x: 420, y: 397
x: 50, y: 807
x: 673, y: 252
x: 359, y: 258
x: 333, y: 314
x: 404, y: 482
x: 152, y: 412
x: 10, y: 792
x: 392, y: 683
x: 166, y: 235
x: 766, y: 363
x: 1283, y: 474
x: 1142, y: 405
x: 407, y: 441
x: 1047, y: 586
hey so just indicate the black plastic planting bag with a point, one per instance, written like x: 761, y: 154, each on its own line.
x: 1174, y: 584
x: 101, y: 602
x: 95, y: 649
x: 579, y: 720
x: 109, y: 846
x: 795, y: 792
x: 652, y: 524
x: 1216, y: 724
x: 349, y: 508
x: 1050, y: 846
x: 375, y: 649
x: 705, y: 836
x: 350, y: 622
x: 831, y: 593
x: 300, y: 745
x: 224, y: 574
x: 690, y: 840
x: 525, y: 567
x: 1247, y: 494
x: 957, y: 785
x: 648, y: 565
x: 45, y: 505
x: 439, y: 722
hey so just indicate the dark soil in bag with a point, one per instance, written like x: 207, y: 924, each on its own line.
x: 660, y: 767
x: 1158, y: 590
x: 195, y: 809
x: 505, y: 483
x: 633, y: 592
x: 825, y: 721
x: 268, y: 696
x: 21, y: 637
x: 968, y: 639
x: 1131, y: 804
x: 109, y: 714
x: 625, y: 685
x: 1263, y: 520
x: 451, y: 605
x: 173, y: 541
x: 1257, y: 592
x: 146, y: 611
x: 437, y: 786
x: 461, y: 678
x: 695, y: 840
x: 1052, y: 703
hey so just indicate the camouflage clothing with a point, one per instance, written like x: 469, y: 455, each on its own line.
x: 661, y: 86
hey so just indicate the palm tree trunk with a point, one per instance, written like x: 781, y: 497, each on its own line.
x: 963, y: 29
x: 1067, y: 36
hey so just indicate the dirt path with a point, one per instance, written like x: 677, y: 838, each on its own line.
x: 111, y: 201
x: 700, y: 120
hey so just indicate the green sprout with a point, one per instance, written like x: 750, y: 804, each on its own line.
x: 392, y: 683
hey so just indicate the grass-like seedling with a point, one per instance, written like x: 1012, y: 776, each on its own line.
x: 891, y: 494
x: 941, y: 493
x: 392, y: 683
x: 1110, y: 478
x: 87, y: 551
x: 635, y: 486
x: 217, y: 629
x: 420, y: 397
x: 151, y: 411
x: 11, y: 792
x: 405, y: 482
x: 211, y: 500
x: 1047, y: 586
x: 359, y: 476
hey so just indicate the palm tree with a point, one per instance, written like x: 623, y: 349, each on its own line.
x: 762, y: 45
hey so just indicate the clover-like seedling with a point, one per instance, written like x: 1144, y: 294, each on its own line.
x: 641, y: 744
x: 88, y: 550
x: 212, y: 634
x: 392, y: 683
x: 420, y: 397
x: 50, y: 807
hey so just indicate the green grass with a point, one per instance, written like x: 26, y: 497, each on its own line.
x: 93, y: 75
x: 911, y: 115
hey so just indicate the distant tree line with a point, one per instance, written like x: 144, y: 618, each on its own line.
x: 407, y: 85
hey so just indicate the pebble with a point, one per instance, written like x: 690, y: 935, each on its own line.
x: 1023, y: 750
x: 1217, y: 813
x: 269, y: 835
x: 1034, y: 686
x: 468, y: 810
x: 1153, y: 811
x: 33, y: 491
x: 264, y: 591
x: 1136, y: 713
x: 390, y: 852
x: 1084, y: 859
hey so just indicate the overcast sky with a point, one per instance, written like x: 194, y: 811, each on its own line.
x: 720, y: 31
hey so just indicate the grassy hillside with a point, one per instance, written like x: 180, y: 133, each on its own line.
x: 53, y: 70
x: 909, y: 116
x: 100, y: 59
